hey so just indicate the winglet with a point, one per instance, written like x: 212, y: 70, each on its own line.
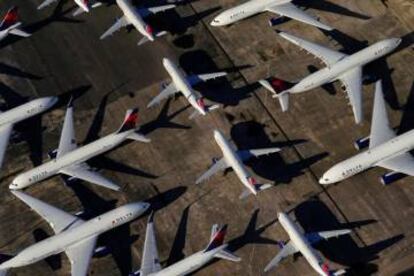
x: 130, y: 120
x: 217, y: 239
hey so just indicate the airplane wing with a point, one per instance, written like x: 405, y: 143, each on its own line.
x: 67, y: 141
x: 144, y: 12
x: 5, y: 132
x: 150, y: 260
x: 316, y: 237
x: 218, y: 166
x: 46, y: 3
x: 80, y: 256
x: 328, y: 56
x: 57, y: 219
x: 19, y: 32
x: 381, y: 130
x: 121, y: 22
x: 195, y: 79
x: 245, y: 155
x: 352, y: 80
x: 292, y: 11
x: 403, y: 163
x: 84, y: 173
x: 287, y: 250
x: 168, y: 91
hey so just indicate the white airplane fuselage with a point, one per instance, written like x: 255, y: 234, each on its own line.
x: 189, y: 264
x: 27, y: 110
x: 359, y: 59
x: 369, y: 158
x: 244, y: 10
x: 75, y: 234
x: 301, y: 243
x: 132, y: 15
x: 71, y: 158
x: 182, y: 84
x: 234, y: 161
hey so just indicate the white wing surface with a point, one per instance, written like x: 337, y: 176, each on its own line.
x: 84, y: 173
x: 195, y: 79
x: 291, y: 11
x: 122, y: 22
x: 352, y: 80
x: 381, y: 130
x: 168, y: 91
x: 244, y: 155
x: 218, y: 166
x: 5, y: 132
x: 67, y: 141
x: 58, y: 219
x: 46, y: 3
x: 316, y: 237
x: 287, y: 250
x: 328, y: 56
x: 80, y: 256
x: 158, y: 9
x: 19, y: 32
x: 403, y: 163
x: 150, y: 259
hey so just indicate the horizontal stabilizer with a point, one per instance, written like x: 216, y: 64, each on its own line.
x: 139, y: 137
x: 226, y: 255
x: 283, y: 100
x: 258, y: 187
x: 19, y: 32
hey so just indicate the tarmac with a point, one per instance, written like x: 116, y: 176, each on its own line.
x: 65, y: 56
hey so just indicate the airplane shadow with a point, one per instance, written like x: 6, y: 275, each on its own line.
x: 13, y: 71
x: 58, y: 15
x: 117, y: 241
x: 407, y: 119
x: 251, y: 135
x: 219, y: 90
x: 313, y: 215
x: 328, y: 6
x: 252, y: 235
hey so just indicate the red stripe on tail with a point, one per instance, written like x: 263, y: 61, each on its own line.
x: 11, y: 17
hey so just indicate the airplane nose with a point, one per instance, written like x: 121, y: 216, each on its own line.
x: 145, y: 205
x: 14, y: 185
x: 52, y: 100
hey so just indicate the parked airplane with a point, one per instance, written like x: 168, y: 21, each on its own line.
x: 71, y: 160
x: 15, y: 115
x: 234, y: 159
x: 385, y: 150
x: 83, y: 5
x: 134, y: 16
x: 347, y: 69
x: 283, y: 8
x: 183, y: 84
x: 303, y: 243
x: 10, y: 24
x: 150, y: 264
x: 74, y: 236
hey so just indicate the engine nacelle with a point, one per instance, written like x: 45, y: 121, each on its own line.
x: 390, y: 177
x: 276, y: 20
x: 52, y: 154
x: 361, y: 143
x: 101, y: 251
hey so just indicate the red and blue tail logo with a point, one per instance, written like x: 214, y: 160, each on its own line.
x: 10, y: 18
x: 201, y: 104
x: 218, y: 239
x: 130, y: 121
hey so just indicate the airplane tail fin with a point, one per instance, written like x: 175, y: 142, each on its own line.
x: 11, y: 18
x: 279, y: 88
x: 130, y: 120
x: 217, y: 237
x: 207, y: 108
